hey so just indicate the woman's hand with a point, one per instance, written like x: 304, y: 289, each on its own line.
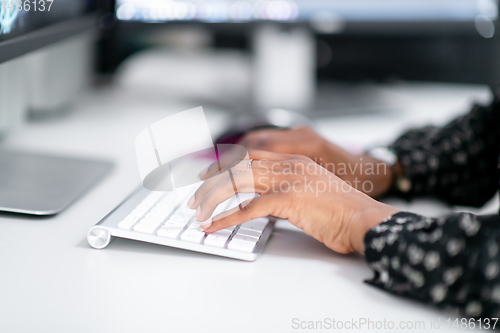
x: 291, y: 187
x: 301, y: 141
x: 363, y: 172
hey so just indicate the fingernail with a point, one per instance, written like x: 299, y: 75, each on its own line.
x: 191, y: 201
x: 203, y: 173
x: 205, y: 225
x: 198, y: 211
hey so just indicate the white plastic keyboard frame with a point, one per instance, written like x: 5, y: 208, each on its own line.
x: 100, y: 235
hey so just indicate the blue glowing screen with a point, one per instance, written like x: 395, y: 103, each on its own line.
x: 303, y: 10
x: 17, y: 17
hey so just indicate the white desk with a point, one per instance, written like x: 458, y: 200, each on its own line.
x: 52, y: 281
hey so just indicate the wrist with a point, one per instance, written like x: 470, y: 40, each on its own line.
x: 324, y: 152
x: 378, y: 173
x: 368, y: 218
x: 332, y: 156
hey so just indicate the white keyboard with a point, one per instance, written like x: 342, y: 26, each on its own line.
x: 163, y: 218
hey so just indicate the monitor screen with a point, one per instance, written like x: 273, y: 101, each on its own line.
x: 18, y: 17
x: 233, y: 11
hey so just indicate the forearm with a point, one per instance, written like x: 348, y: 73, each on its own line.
x: 452, y: 261
x: 456, y: 163
x: 363, y: 172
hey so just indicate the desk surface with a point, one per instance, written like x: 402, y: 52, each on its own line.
x: 52, y: 281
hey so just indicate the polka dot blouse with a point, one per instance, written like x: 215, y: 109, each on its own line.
x: 452, y: 261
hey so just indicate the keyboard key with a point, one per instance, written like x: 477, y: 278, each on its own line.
x: 175, y: 223
x: 242, y: 243
x: 151, y: 221
x: 188, y: 212
x: 178, y: 217
x: 169, y: 232
x: 126, y: 224
x: 242, y: 238
x: 192, y: 235
x: 194, y: 225
x: 160, y: 216
x: 217, y: 239
x: 140, y: 210
x: 257, y: 224
x: 132, y: 217
x: 180, y: 214
x: 162, y: 210
x: 166, y: 205
x: 249, y: 233
x: 145, y: 228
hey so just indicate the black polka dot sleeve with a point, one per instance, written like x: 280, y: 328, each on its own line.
x: 452, y: 262
x: 457, y: 163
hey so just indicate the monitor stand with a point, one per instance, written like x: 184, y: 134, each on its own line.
x: 39, y: 184
x: 284, y: 67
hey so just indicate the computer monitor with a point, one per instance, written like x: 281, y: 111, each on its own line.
x: 26, y: 25
x: 35, y: 183
x: 355, y: 39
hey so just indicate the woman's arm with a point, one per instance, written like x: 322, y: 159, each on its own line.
x: 345, y: 165
x: 291, y: 187
x: 457, y: 163
x: 452, y: 262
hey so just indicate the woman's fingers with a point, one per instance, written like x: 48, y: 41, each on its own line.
x: 263, y: 139
x: 236, y: 181
x: 208, y: 184
x: 229, y: 159
x: 268, y: 156
x: 250, y: 209
x: 255, y: 140
x: 238, y: 178
x: 204, y: 188
x: 234, y: 160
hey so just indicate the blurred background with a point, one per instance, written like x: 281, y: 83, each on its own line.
x: 301, y: 55
x: 281, y: 53
x: 317, y: 58
x: 357, y: 40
